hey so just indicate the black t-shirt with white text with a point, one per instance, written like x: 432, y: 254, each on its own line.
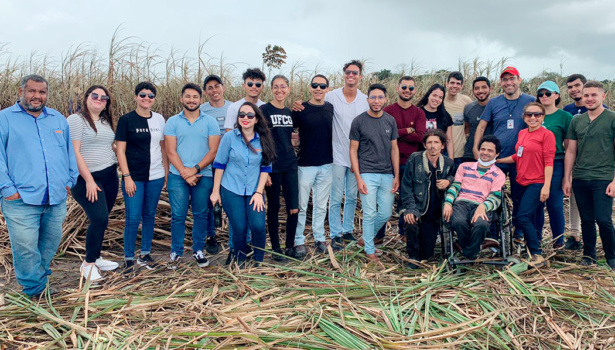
x: 437, y: 120
x: 315, y: 125
x: 280, y: 123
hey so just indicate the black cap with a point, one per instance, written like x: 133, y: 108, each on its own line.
x: 210, y: 78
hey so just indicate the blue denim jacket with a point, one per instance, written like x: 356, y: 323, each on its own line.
x: 241, y: 166
x: 36, y: 156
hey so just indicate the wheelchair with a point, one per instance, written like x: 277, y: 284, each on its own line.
x: 502, y: 220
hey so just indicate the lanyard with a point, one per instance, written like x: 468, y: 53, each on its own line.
x: 511, y: 110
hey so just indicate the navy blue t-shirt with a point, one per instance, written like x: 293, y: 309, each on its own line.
x: 506, y: 117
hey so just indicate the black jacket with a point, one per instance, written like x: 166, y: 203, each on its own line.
x: 416, y: 183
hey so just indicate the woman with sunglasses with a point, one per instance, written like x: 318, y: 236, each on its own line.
x: 437, y: 117
x: 144, y: 165
x: 243, y: 164
x: 557, y: 121
x: 535, y: 154
x: 284, y: 171
x: 92, y: 135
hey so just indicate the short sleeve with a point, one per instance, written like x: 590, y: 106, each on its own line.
x: 394, y: 132
x: 466, y: 111
x: 296, y: 116
x: 231, y: 117
x: 224, y: 151
x: 212, y: 126
x: 162, y: 124
x: 448, y: 119
x: 572, y: 134
x: 121, y: 131
x: 76, y: 125
x: 355, y: 133
x: 170, y: 128
x: 487, y: 113
x: 459, y: 174
x: 567, y: 120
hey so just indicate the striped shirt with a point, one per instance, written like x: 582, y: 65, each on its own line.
x: 96, y: 146
x: 472, y: 186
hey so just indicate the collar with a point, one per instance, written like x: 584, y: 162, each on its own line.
x: 181, y: 114
x: 490, y: 170
x: 17, y: 108
x: 238, y: 133
x: 440, y: 163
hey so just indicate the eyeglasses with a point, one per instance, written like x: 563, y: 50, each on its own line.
x: 278, y: 87
x: 250, y: 84
x: 404, y: 87
x: 248, y: 115
x: 150, y: 95
x: 548, y: 94
x: 96, y: 96
x: 353, y: 72
x: 321, y: 86
x: 379, y: 98
x: 533, y: 114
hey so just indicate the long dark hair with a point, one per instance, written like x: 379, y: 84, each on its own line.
x: 423, y: 102
x: 263, y: 132
x: 106, y: 115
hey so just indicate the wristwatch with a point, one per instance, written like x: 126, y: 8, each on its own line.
x: 198, y: 168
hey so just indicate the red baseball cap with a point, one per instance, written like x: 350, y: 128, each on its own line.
x: 510, y: 70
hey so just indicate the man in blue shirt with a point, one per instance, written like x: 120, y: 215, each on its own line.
x: 505, y: 114
x: 37, y: 168
x: 191, y: 140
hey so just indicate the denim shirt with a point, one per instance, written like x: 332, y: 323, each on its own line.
x: 36, y: 156
x: 241, y: 166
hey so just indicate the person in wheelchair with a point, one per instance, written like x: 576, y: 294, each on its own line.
x: 473, y: 197
x: 428, y: 174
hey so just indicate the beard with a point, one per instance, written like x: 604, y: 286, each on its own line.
x: 28, y: 107
x: 404, y: 99
x: 577, y: 99
x: 190, y: 109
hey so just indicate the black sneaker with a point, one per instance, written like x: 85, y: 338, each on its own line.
x: 573, y: 244
x: 230, y: 257
x: 211, y: 245
x: 201, y: 260
x: 337, y: 244
x: 411, y: 266
x: 291, y: 253
x: 128, y: 267
x: 611, y: 263
x: 321, y: 247
x: 300, y: 251
x: 587, y: 261
x: 278, y: 256
x: 147, y: 261
x: 348, y: 237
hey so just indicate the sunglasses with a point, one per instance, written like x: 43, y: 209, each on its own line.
x: 248, y: 115
x: 548, y: 94
x: 96, y: 96
x: 150, y: 95
x: 353, y: 72
x: 250, y: 84
x: 533, y: 114
x: 321, y: 86
x: 404, y: 87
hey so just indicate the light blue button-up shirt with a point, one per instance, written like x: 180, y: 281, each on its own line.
x: 36, y: 156
x: 241, y: 166
x: 192, y: 139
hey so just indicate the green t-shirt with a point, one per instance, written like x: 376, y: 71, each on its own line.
x: 595, y: 146
x: 558, y: 124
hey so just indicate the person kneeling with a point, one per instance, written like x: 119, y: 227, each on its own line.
x: 428, y: 174
x: 473, y: 196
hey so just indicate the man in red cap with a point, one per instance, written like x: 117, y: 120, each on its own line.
x: 505, y: 114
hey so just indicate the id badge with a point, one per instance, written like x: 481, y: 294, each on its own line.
x: 510, y: 124
x: 520, y: 152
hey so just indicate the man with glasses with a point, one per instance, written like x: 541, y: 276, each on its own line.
x: 589, y: 169
x: 253, y: 85
x: 504, y: 114
x: 37, y: 168
x: 481, y: 89
x: 315, y: 158
x: 411, y: 126
x: 374, y: 156
x: 454, y: 104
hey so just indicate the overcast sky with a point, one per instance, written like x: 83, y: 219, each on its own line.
x: 566, y: 36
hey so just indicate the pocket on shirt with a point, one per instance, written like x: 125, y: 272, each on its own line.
x: 58, y: 137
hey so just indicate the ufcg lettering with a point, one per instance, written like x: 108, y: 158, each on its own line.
x: 281, y: 120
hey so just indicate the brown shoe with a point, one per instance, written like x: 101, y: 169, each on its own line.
x: 537, y: 261
x: 490, y: 243
x: 373, y: 258
x: 361, y: 242
x: 403, y: 239
x: 378, y: 241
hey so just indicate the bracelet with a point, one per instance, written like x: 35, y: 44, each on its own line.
x: 261, y: 193
x: 126, y: 175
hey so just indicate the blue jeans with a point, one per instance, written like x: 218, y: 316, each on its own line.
x: 242, y: 216
x: 211, y: 228
x: 317, y: 179
x: 377, y: 206
x: 344, y: 182
x: 526, y: 216
x: 35, y: 232
x: 515, y: 193
x: 555, y: 205
x: 141, y: 206
x: 181, y: 194
x: 400, y: 222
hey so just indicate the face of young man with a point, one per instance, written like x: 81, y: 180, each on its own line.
x: 352, y: 75
x: 318, y: 88
x: 253, y: 87
x: 34, y: 96
x: 433, y: 146
x: 481, y: 91
x: 454, y: 86
x: 593, y: 98
x: 510, y: 83
x: 406, y: 90
x: 376, y: 100
x: 214, y: 91
x: 191, y: 100
x: 487, y: 152
x: 575, y: 89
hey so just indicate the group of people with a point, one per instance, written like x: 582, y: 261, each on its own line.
x: 448, y: 157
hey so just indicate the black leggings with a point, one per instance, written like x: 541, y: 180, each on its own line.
x: 97, y: 212
x: 288, y: 181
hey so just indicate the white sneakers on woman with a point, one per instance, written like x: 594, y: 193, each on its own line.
x: 92, y: 272
x: 106, y: 265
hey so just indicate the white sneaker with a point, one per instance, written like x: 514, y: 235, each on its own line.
x: 91, y: 272
x: 174, y: 260
x: 106, y: 265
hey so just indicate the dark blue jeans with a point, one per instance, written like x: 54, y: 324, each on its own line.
x: 515, y: 193
x: 141, y: 207
x: 555, y: 205
x: 595, y: 207
x: 242, y: 216
x: 526, y: 216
